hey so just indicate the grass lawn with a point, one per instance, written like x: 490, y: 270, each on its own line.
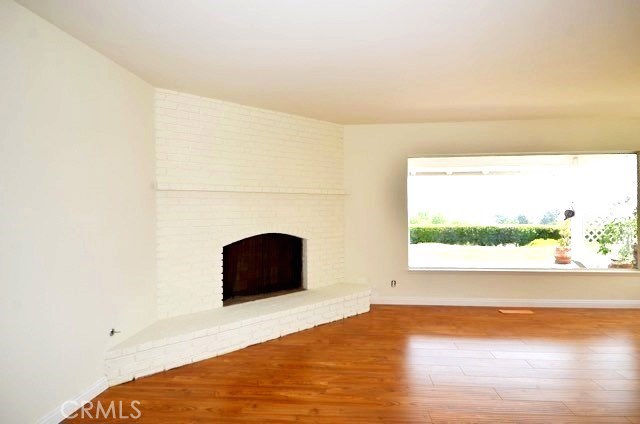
x: 457, y: 256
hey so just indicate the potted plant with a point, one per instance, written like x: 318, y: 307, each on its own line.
x: 563, y: 250
x: 619, y: 237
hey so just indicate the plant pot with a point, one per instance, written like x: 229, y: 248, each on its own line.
x: 620, y: 265
x: 563, y: 255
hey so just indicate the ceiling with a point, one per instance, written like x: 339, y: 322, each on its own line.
x: 376, y: 61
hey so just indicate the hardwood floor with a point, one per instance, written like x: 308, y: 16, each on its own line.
x: 405, y: 364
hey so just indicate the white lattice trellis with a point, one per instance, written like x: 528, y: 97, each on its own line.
x: 593, y: 230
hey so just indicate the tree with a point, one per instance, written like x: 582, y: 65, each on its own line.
x: 550, y: 217
x: 502, y: 219
x: 522, y: 219
x: 438, y: 219
x: 422, y: 218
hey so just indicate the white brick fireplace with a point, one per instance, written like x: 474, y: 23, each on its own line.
x: 226, y: 172
x: 193, y: 227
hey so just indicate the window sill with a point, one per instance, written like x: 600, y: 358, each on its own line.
x: 609, y: 271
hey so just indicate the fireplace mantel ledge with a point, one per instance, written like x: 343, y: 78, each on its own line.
x: 177, y: 341
x: 243, y: 189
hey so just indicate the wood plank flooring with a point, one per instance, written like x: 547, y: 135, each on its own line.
x: 406, y: 364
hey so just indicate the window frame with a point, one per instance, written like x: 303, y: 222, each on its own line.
x: 600, y: 271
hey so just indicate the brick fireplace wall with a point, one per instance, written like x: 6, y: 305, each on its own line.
x: 226, y: 172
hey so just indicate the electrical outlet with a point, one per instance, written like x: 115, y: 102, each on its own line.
x: 393, y: 283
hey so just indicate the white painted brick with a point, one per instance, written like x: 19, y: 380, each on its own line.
x: 128, y: 351
x: 362, y: 309
x: 177, y: 349
x: 283, y: 151
x: 213, y: 330
x: 150, y: 354
x: 201, y: 356
x: 145, y: 346
x: 175, y: 363
x: 179, y: 338
x: 113, y: 381
x: 245, y: 157
x: 135, y: 367
x: 115, y: 364
x: 148, y: 371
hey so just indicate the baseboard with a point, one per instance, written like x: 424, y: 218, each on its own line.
x: 509, y: 302
x: 57, y: 415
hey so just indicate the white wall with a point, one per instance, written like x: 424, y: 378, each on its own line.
x: 77, y: 212
x: 226, y: 172
x: 376, y: 217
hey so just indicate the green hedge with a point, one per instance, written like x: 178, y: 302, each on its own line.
x: 482, y: 235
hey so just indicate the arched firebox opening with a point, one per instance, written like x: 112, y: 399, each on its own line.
x: 261, y: 266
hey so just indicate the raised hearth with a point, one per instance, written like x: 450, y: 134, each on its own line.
x: 177, y: 341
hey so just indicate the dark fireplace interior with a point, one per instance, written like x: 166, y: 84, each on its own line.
x: 261, y: 266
